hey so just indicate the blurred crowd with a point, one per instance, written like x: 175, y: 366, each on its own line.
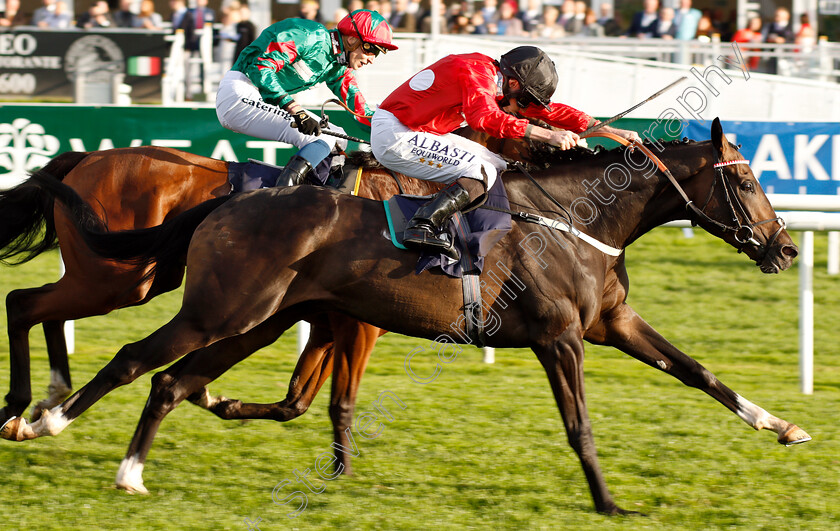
x: 673, y: 19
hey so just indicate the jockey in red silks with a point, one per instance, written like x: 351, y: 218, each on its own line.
x: 255, y: 96
x: 412, y: 129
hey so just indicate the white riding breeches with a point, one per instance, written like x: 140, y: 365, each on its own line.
x: 240, y: 108
x: 429, y: 156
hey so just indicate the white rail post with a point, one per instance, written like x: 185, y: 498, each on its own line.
x: 806, y: 313
x: 489, y: 354
x: 69, y: 329
x: 205, y: 51
x: 172, y: 81
x: 833, y: 252
x: 302, y: 336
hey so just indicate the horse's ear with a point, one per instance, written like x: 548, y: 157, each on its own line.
x: 718, y: 139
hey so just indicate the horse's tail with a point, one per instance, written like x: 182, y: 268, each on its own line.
x: 27, y: 228
x: 159, y: 247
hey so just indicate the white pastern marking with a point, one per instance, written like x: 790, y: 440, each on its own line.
x: 52, y: 422
x: 208, y: 401
x: 752, y: 414
x: 130, y: 475
x: 662, y: 364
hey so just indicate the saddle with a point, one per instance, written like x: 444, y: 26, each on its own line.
x: 474, y: 233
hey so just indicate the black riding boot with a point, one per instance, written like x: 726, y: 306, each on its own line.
x: 424, y: 229
x: 294, y: 173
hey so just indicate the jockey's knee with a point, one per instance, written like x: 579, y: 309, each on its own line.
x: 486, y: 173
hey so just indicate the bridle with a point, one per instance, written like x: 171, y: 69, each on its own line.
x: 742, y: 230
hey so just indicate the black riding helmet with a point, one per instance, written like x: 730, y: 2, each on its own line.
x: 535, y: 72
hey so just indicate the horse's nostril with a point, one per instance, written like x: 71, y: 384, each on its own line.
x: 790, y: 250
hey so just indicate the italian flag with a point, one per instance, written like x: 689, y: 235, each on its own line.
x: 143, y: 66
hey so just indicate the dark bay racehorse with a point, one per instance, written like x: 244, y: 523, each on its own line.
x: 547, y: 290
x: 133, y: 188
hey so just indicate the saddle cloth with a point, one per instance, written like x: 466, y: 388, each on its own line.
x: 479, y: 231
x: 254, y: 174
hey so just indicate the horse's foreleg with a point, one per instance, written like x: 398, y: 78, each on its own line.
x: 563, y: 363
x: 354, y: 342
x: 625, y: 330
x: 188, y: 378
x: 313, y: 368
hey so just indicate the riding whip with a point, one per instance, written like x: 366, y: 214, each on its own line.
x: 628, y: 111
x: 339, y: 135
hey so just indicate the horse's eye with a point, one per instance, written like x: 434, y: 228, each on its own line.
x: 748, y: 187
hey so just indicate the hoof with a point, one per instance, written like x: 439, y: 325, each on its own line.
x: 615, y: 510
x: 133, y: 489
x: 794, y: 435
x: 16, y: 429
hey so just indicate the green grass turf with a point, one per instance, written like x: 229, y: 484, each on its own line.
x: 483, y: 445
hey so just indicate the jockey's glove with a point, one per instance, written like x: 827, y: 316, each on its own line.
x: 306, y: 124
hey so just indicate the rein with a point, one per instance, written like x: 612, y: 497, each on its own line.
x: 742, y: 231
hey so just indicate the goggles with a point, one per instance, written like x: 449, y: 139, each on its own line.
x: 523, y: 99
x: 367, y: 47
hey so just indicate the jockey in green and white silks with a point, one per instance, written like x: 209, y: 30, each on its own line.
x: 255, y: 96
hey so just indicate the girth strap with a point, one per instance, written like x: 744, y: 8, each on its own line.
x: 471, y: 284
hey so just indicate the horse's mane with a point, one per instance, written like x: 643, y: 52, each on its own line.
x: 363, y: 159
x: 544, y: 155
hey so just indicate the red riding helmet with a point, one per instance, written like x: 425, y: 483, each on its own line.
x: 370, y: 27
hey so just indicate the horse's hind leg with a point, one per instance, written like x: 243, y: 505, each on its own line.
x: 170, y: 342
x: 563, y: 363
x: 24, y: 309
x: 186, y: 378
x: 313, y: 368
x: 72, y: 297
x: 625, y: 330
x: 60, y: 384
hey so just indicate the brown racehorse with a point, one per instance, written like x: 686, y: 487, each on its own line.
x: 133, y: 188
x: 553, y: 289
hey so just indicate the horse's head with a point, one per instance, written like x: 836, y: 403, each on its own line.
x: 737, y: 211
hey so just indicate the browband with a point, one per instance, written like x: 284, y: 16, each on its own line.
x: 731, y: 162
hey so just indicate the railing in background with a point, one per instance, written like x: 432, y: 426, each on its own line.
x: 584, y: 63
x: 178, y: 80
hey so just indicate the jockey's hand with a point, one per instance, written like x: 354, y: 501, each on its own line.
x: 626, y: 134
x: 630, y: 136
x: 306, y: 124
x: 564, y: 139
